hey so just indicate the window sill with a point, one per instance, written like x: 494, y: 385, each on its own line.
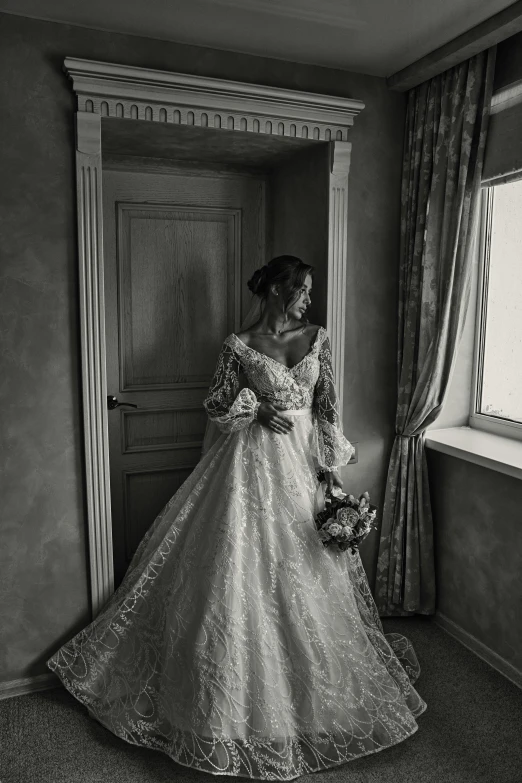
x: 482, y: 448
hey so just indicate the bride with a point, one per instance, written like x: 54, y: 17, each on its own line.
x: 236, y: 643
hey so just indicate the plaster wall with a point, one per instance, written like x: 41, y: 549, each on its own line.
x: 478, y: 552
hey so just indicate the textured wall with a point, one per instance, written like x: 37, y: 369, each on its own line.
x: 478, y: 547
x: 43, y: 558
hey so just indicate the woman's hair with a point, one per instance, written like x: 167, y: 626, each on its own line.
x: 287, y: 271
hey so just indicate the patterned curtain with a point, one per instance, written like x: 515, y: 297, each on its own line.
x: 446, y: 125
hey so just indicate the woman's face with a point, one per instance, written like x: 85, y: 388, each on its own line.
x: 298, y: 308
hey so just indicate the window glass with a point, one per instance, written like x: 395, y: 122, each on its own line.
x: 502, y: 362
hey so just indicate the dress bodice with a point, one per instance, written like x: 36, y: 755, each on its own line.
x: 244, y: 378
x: 272, y: 381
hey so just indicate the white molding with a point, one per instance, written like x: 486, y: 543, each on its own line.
x: 337, y: 258
x: 40, y: 682
x: 94, y: 381
x: 497, y: 426
x: 483, y: 243
x: 159, y: 96
x: 88, y: 134
x: 480, y: 649
x: 508, y: 96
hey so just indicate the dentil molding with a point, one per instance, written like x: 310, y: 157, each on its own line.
x: 159, y: 96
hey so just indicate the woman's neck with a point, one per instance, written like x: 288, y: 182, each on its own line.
x: 274, y: 322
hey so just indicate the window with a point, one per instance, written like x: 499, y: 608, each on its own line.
x: 497, y: 403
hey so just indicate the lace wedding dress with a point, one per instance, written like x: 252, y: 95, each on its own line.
x: 236, y: 643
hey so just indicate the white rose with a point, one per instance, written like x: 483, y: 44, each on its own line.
x: 338, y: 493
x: 335, y: 529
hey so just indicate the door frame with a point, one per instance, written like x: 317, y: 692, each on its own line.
x: 120, y: 91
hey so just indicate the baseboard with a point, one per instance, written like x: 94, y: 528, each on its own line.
x: 40, y: 682
x: 481, y: 650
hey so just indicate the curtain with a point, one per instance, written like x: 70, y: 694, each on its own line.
x: 446, y: 125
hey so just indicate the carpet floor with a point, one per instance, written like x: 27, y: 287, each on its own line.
x: 470, y: 733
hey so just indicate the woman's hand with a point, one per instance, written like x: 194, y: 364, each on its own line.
x: 332, y: 479
x: 268, y: 415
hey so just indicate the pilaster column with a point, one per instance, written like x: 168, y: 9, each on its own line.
x: 94, y: 381
x: 337, y: 257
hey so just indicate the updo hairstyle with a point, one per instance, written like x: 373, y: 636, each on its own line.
x: 287, y: 271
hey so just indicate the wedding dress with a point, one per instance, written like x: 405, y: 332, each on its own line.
x: 236, y: 643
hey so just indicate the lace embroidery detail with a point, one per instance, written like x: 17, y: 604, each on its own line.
x: 334, y: 449
x: 227, y: 406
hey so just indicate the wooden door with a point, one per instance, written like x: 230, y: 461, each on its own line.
x: 179, y: 247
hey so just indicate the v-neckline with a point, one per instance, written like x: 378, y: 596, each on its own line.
x: 266, y: 356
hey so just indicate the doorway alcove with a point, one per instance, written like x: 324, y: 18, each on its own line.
x: 133, y: 121
x: 295, y: 174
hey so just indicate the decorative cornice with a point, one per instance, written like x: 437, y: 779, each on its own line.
x: 160, y: 96
x: 340, y: 159
x: 88, y: 133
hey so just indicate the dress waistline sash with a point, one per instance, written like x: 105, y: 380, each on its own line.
x: 297, y: 412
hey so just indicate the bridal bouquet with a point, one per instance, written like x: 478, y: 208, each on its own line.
x: 346, y: 520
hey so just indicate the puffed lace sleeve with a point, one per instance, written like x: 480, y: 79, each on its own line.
x: 228, y: 406
x: 334, y: 450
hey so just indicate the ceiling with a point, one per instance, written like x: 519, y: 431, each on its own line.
x: 376, y: 37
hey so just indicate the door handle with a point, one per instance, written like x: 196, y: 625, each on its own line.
x: 112, y: 402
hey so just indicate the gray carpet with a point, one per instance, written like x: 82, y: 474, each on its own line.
x: 470, y: 733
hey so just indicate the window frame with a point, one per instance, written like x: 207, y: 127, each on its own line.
x: 482, y: 421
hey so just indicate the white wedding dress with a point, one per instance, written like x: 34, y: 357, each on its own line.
x: 236, y: 643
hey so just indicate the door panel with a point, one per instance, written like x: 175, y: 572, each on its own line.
x: 179, y: 248
x: 165, y: 341
x: 169, y: 428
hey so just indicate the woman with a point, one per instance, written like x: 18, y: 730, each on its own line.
x: 237, y: 643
